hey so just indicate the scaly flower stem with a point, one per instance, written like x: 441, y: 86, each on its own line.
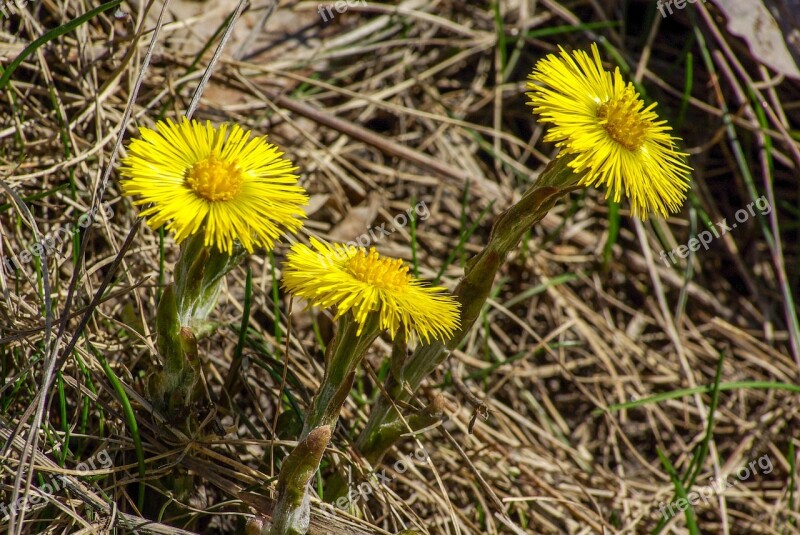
x: 342, y: 357
x: 292, y: 511
x: 181, y: 318
x: 382, y: 431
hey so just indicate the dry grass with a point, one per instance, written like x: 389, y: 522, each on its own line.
x: 383, y: 107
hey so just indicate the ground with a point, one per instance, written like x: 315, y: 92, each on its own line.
x: 613, y: 373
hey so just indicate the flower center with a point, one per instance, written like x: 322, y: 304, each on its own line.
x: 622, y: 120
x: 384, y: 273
x: 215, y: 179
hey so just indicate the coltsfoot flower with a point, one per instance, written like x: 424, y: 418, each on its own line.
x: 219, y: 181
x: 614, y: 139
x: 357, y: 279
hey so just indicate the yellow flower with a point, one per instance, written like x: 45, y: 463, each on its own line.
x: 353, y: 278
x: 218, y: 180
x: 602, y: 123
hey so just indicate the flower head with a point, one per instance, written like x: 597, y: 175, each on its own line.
x: 614, y: 139
x: 357, y: 279
x: 219, y: 180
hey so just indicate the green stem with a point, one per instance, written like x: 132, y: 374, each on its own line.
x: 382, y: 430
x: 343, y: 356
x: 292, y: 511
x: 181, y: 318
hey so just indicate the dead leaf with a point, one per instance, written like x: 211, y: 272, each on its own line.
x: 315, y: 202
x: 752, y: 21
x: 358, y: 220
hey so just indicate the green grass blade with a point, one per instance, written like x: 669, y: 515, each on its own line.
x: 613, y: 232
x: 680, y: 491
x: 248, y: 298
x: 130, y: 417
x: 53, y: 34
x: 700, y: 457
x: 674, y: 394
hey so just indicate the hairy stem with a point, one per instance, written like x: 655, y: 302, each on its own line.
x: 292, y: 511
x: 555, y: 181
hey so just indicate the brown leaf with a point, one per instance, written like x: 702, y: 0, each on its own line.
x: 358, y: 220
x: 753, y: 22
